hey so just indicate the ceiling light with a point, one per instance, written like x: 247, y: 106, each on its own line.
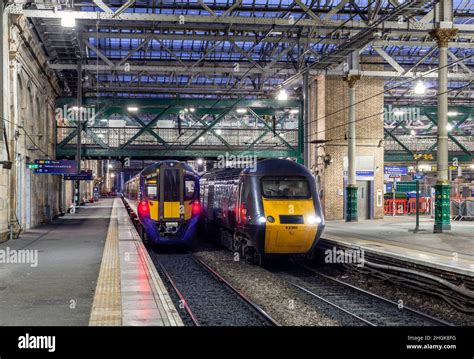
x: 67, y: 19
x: 282, y: 95
x: 132, y: 109
x: 241, y: 110
x: 294, y: 111
x: 200, y: 161
x: 192, y: 109
x: 449, y: 127
x: 219, y: 131
x: 420, y: 88
x: 413, y: 132
x: 452, y: 113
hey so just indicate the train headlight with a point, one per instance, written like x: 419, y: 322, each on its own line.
x: 314, y: 219
x: 270, y: 219
x: 261, y: 220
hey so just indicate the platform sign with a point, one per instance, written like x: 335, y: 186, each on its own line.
x: 83, y: 176
x: 56, y: 167
x: 418, y: 176
x: 395, y: 170
x: 32, y: 166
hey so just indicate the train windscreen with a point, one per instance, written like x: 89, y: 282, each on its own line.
x: 285, y: 187
x: 171, y: 184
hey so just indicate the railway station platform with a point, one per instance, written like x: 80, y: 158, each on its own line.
x: 393, y: 237
x: 88, y: 268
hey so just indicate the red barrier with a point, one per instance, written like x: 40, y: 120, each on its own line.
x: 400, y: 206
x: 424, y: 205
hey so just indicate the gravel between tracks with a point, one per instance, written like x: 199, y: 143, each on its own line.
x: 284, y: 303
x: 211, y: 301
x: 416, y: 300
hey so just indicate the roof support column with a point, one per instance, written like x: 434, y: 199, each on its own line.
x: 442, y: 34
x: 351, y: 189
x: 306, y: 120
x: 80, y: 113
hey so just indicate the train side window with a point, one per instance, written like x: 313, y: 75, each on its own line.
x: 189, y: 188
x: 151, y: 189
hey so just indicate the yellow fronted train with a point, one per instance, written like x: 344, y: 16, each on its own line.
x: 271, y: 209
x: 164, y: 199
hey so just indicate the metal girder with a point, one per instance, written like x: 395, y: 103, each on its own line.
x: 403, y: 157
x: 390, y: 39
x: 450, y: 136
x: 244, y: 69
x: 138, y: 153
x: 147, y: 128
x: 213, y: 123
x: 17, y: 9
x: 270, y: 129
x: 201, y: 121
x: 389, y: 133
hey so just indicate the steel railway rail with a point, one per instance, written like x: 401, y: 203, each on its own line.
x: 207, y: 298
x: 368, y: 308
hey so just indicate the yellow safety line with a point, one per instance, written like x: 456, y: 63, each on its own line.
x: 107, y: 305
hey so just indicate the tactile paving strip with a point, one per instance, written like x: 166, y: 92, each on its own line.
x: 107, y: 305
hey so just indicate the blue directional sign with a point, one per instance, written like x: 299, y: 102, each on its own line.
x: 55, y: 167
x: 418, y: 176
x: 83, y: 176
x: 396, y: 170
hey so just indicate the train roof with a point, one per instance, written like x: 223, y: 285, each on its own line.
x: 268, y: 167
x: 153, y: 167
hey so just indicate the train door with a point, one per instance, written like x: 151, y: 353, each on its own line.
x: 189, y: 195
x: 151, y: 192
x: 171, y: 205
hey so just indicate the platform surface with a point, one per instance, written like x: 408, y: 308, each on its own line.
x: 135, y: 291
x: 88, y: 268
x: 450, y: 251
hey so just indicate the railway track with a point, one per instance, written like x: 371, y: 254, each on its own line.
x: 205, y: 296
x: 360, y: 305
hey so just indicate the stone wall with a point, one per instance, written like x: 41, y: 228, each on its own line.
x: 30, y: 91
x: 329, y: 122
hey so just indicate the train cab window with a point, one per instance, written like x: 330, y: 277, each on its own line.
x: 151, y: 188
x: 171, y: 185
x: 189, y: 188
x: 285, y: 187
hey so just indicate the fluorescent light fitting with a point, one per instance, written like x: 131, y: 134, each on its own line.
x: 282, y: 95
x: 420, y: 88
x: 67, y: 19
